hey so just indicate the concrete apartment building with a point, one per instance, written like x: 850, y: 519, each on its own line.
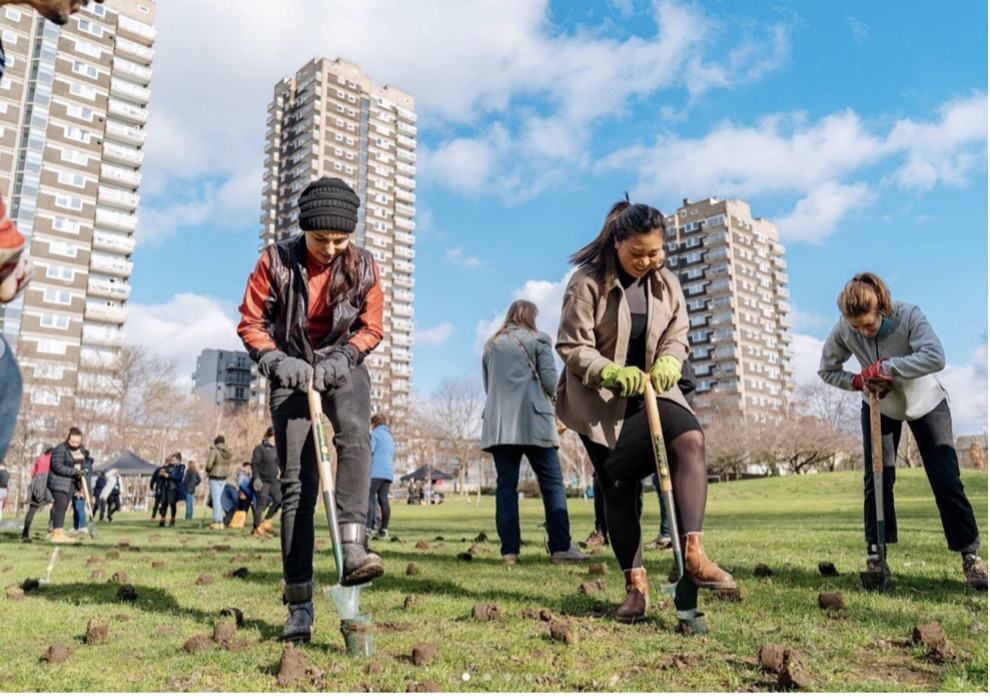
x: 73, y: 106
x: 223, y: 377
x: 732, y: 269
x: 330, y: 119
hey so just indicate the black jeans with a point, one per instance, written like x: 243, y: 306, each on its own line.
x: 378, y: 496
x: 62, y: 500
x: 272, y: 488
x: 348, y: 409
x: 933, y: 433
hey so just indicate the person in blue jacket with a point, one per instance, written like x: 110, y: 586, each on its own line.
x: 382, y: 474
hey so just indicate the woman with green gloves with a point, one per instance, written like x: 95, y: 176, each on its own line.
x: 624, y: 313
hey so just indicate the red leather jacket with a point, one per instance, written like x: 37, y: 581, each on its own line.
x: 274, y: 313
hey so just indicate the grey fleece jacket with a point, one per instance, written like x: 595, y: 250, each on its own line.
x: 913, y: 354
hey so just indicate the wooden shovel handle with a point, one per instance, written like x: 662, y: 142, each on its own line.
x: 876, y: 438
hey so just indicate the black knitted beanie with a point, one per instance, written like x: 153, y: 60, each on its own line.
x: 328, y: 204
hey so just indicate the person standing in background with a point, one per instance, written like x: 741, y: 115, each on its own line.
x: 382, y: 474
x: 189, y: 483
x: 217, y: 469
x: 264, y: 464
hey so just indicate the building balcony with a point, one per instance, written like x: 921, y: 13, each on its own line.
x: 783, y: 292
x: 127, y: 112
x: 132, y: 71
x: 106, y: 312
x: 402, y: 355
x: 406, y: 128
x: 132, y: 49
x: 129, y: 91
x: 108, y: 241
x: 403, y: 280
x: 785, y: 321
x: 402, y: 340
x: 119, y: 175
x: 780, y: 277
x: 402, y: 325
x: 134, y: 29
x: 405, y: 238
x: 409, y: 143
x: 404, y: 252
x: 405, y: 223
x: 115, y: 221
x: 406, y: 169
x: 118, y: 198
x: 403, y: 266
x: 122, y: 133
x: 402, y: 386
x: 121, y: 154
x: 102, y: 336
x: 111, y: 265
x: 113, y: 290
x: 404, y: 155
x: 403, y: 182
x: 402, y: 310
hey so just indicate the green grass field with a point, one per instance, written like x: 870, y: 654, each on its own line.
x: 789, y: 524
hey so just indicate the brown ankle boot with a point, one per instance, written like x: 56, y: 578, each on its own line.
x: 637, y: 597
x: 703, y: 572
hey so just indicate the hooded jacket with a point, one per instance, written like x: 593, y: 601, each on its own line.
x: 218, y: 461
x: 264, y: 462
x: 913, y: 354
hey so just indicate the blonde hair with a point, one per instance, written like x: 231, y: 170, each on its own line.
x: 865, y: 294
x: 521, y: 313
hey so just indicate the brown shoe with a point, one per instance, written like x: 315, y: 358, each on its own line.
x: 259, y: 533
x: 594, y: 540
x: 975, y: 570
x: 702, y: 571
x: 266, y: 527
x: 637, y: 597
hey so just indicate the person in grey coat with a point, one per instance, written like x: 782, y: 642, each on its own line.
x: 899, y: 354
x: 519, y: 376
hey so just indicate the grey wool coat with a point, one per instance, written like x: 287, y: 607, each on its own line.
x: 517, y: 404
x: 594, y: 333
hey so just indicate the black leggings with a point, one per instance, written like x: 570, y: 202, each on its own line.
x: 169, y: 501
x: 272, y: 488
x: 62, y: 500
x: 379, y: 497
x: 620, y: 471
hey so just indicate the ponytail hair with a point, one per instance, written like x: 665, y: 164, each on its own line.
x: 865, y: 294
x: 623, y: 221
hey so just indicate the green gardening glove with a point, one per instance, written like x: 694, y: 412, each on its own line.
x: 630, y: 381
x: 665, y: 373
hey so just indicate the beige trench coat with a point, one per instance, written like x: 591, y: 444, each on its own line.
x: 594, y: 333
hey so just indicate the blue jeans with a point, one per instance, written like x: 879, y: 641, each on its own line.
x: 546, y: 466
x: 11, y: 389
x: 216, y: 493
x: 189, y: 506
x: 78, y: 513
x: 933, y: 433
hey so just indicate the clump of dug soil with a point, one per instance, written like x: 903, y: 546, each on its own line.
x: 55, y: 654
x: 158, y: 564
x: 596, y: 569
x: 487, y: 612
x: 786, y: 664
x: 423, y: 653
x: 423, y: 687
x: 96, y: 574
x: 241, y: 573
x: 97, y: 631
x: 592, y: 586
x: 197, y: 644
x: 412, y: 569
x: 930, y: 635
x: 14, y: 594
x: 30, y: 585
x: 119, y: 577
x: 831, y: 601
x: 204, y: 579
x: 828, y: 570
x: 563, y: 632
x: 127, y: 593
x: 235, y: 614
x: 477, y: 550
x: 223, y: 632
x: 412, y: 601
x: 422, y: 545
x: 481, y: 538
x: 464, y: 556
x: 538, y: 614
x: 293, y: 665
x: 762, y: 570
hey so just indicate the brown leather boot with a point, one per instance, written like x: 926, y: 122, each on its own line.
x: 637, y: 597
x: 702, y: 571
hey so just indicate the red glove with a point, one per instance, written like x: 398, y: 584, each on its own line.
x: 873, y: 373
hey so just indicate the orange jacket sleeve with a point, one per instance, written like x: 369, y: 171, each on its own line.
x: 371, y: 321
x: 253, y: 328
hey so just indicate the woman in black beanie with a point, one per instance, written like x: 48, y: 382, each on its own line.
x: 312, y: 310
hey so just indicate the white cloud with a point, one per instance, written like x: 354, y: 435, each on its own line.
x: 435, y: 336
x: 860, y: 32
x: 182, y: 328
x: 819, y: 212
x: 456, y: 257
x: 548, y: 296
x: 787, y: 154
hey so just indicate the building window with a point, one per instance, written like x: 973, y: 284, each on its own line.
x: 13, y: 15
x: 77, y: 134
x: 9, y: 37
x: 60, y: 224
x: 63, y: 249
x: 86, y: 69
x: 55, y: 321
x: 61, y: 273
x: 83, y: 91
x: 62, y: 297
x: 70, y: 202
x: 72, y: 179
x: 90, y: 28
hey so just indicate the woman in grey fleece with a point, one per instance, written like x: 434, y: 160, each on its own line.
x: 900, y: 354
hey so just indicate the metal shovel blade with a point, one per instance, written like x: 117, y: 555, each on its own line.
x: 47, y: 580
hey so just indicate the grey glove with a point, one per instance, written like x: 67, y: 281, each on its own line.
x: 292, y: 373
x: 269, y: 361
x: 332, y: 371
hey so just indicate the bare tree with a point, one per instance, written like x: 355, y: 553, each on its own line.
x: 977, y: 455
x: 456, y: 411
x: 836, y: 409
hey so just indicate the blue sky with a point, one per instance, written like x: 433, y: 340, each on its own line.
x: 860, y: 129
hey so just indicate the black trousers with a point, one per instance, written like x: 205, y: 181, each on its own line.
x: 378, y: 496
x: 348, y: 409
x: 62, y: 500
x: 933, y: 433
x: 273, y: 488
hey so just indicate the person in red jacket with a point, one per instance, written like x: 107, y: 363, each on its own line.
x: 312, y: 311
x: 38, y: 492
